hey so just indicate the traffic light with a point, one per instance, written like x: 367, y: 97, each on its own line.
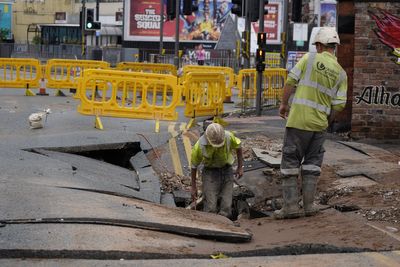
x: 262, y: 39
x: 89, y: 18
x: 260, y: 58
x: 245, y: 44
x: 171, y: 9
x: 296, y: 10
x: 189, y: 7
x: 90, y: 23
x: 254, y: 7
x: 238, y: 7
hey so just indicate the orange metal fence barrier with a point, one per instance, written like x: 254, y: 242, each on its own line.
x: 20, y: 73
x: 147, y: 67
x: 128, y: 95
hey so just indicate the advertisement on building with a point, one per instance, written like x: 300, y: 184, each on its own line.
x: 5, y: 21
x: 272, y: 23
x: 142, y: 21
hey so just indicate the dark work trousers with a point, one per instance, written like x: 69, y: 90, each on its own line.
x: 218, y: 185
x: 302, y: 149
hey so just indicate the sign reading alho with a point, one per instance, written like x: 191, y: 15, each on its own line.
x: 377, y: 95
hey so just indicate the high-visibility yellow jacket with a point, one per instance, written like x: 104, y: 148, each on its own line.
x: 214, y: 157
x: 321, y: 86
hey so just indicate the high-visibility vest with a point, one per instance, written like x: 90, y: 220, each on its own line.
x: 321, y: 86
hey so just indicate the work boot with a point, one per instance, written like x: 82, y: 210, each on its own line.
x: 290, y: 208
x: 309, y: 186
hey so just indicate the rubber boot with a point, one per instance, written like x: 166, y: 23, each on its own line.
x: 309, y: 187
x: 290, y: 208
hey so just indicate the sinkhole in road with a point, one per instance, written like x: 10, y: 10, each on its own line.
x: 118, y: 154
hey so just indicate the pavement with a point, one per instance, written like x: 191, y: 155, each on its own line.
x: 74, y: 208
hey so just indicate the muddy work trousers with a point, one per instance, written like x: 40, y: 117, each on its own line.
x: 218, y: 189
x: 302, y: 150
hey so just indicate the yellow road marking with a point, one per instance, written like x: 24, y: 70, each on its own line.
x: 186, y: 143
x: 173, y: 149
x: 382, y: 259
x: 384, y: 231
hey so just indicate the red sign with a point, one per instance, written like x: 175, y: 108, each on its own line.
x: 271, y: 23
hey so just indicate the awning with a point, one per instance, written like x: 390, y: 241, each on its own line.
x: 111, y: 30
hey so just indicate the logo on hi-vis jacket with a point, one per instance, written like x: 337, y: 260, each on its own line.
x: 388, y: 31
x: 320, y: 66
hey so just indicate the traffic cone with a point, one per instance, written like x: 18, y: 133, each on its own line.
x: 42, y: 89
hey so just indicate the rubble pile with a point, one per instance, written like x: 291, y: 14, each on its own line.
x: 258, y: 141
x: 172, y: 181
x: 391, y: 214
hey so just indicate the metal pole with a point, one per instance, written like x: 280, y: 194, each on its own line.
x: 97, y: 19
x: 83, y: 27
x: 260, y: 73
x: 285, y: 33
x: 161, y: 26
x: 176, y: 58
x: 248, y: 37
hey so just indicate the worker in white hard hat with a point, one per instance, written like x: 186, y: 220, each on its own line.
x: 319, y: 88
x: 214, y: 150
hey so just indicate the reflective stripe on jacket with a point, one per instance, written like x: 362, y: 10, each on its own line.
x: 321, y: 86
x: 212, y: 157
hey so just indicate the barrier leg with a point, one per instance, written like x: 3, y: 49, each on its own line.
x: 220, y: 121
x: 157, y: 126
x: 191, y: 123
x: 28, y: 92
x: 98, y: 124
x: 60, y: 93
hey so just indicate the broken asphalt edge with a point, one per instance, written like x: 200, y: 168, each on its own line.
x: 297, y: 249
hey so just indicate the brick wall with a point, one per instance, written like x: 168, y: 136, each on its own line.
x: 376, y: 91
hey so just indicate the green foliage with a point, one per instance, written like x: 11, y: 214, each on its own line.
x: 36, y: 40
x: 4, y: 33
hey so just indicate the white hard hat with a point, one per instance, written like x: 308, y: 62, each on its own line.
x: 215, y: 135
x: 327, y: 35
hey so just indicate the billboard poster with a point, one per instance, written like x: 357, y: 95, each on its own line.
x: 5, y: 20
x: 142, y: 21
x: 328, y: 15
x: 293, y: 58
x: 272, y: 23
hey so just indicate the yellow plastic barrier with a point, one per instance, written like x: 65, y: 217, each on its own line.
x: 228, y: 73
x: 63, y: 73
x: 147, y: 67
x: 272, y: 86
x: 128, y: 95
x: 20, y: 73
x: 273, y: 60
x: 204, y: 94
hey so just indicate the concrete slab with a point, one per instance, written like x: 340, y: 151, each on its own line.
x: 373, y: 169
x: 356, y: 181
x: 149, y: 184
x: 47, y: 204
x: 95, y: 168
x: 271, y: 158
x: 139, y: 161
x: 167, y: 199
